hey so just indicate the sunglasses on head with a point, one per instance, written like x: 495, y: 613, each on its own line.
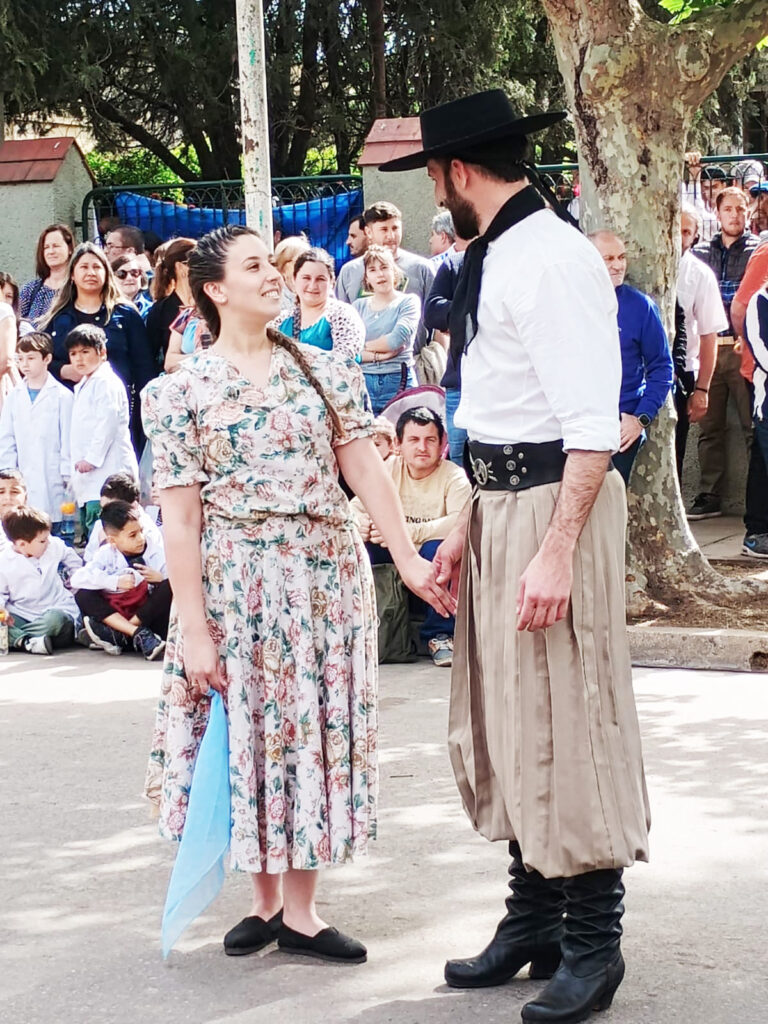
x: 122, y: 274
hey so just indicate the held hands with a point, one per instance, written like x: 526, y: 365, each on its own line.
x: 447, y: 561
x: 631, y: 429
x: 545, y: 591
x: 420, y: 578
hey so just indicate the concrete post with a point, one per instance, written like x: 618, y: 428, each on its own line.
x: 253, y: 108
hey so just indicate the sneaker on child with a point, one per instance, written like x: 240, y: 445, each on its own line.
x: 104, y: 637
x: 148, y: 643
x: 755, y: 545
x: 37, y: 645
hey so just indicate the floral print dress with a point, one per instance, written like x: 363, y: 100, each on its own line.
x: 289, y: 598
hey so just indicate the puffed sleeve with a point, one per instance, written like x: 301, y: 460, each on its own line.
x: 349, y: 398
x: 169, y: 415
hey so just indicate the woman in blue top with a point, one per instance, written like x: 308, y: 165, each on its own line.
x: 91, y: 296
x: 317, y: 317
x: 391, y: 319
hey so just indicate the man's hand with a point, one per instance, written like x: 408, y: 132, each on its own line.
x: 149, y: 574
x: 698, y: 404
x: 693, y: 159
x: 375, y: 537
x: 419, y: 576
x: 631, y: 429
x: 545, y: 591
x: 126, y: 582
x: 447, y: 560
x: 84, y: 467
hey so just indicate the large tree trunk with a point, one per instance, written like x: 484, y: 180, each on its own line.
x: 633, y: 86
x: 375, y: 9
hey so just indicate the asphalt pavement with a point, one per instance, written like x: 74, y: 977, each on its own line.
x: 85, y: 873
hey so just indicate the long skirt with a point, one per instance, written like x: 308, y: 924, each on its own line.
x: 291, y: 607
x: 544, y: 737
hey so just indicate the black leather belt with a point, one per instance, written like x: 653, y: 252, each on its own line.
x: 515, y: 467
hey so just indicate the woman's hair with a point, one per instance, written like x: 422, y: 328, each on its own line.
x: 379, y: 254
x: 7, y: 279
x: 173, y: 252
x: 41, y: 267
x: 208, y: 263
x: 316, y: 256
x: 111, y: 295
x: 120, y: 262
x: 287, y: 250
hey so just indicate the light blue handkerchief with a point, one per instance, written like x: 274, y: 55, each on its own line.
x: 198, y: 873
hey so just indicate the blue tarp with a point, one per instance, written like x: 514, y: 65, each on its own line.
x: 324, y: 221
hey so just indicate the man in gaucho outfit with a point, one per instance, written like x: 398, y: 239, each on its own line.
x: 544, y: 737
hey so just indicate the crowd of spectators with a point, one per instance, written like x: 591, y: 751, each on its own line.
x: 79, y: 342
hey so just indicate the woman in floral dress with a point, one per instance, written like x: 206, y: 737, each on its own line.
x: 248, y: 439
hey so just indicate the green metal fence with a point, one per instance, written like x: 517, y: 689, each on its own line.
x: 225, y: 199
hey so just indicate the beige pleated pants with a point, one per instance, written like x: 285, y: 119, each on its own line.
x: 543, y: 733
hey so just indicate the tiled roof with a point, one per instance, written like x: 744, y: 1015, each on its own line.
x: 32, y: 159
x: 389, y: 139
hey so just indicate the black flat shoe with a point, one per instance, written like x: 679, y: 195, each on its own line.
x: 252, y: 934
x: 328, y: 944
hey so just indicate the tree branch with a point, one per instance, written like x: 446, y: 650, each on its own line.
x: 598, y: 19
x: 112, y: 114
x: 721, y: 36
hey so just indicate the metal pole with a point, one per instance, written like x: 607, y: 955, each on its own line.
x: 253, y: 107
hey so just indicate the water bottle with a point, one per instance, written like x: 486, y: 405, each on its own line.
x: 4, y: 618
x: 68, y: 510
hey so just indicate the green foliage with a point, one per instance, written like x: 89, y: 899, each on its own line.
x: 136, y: 166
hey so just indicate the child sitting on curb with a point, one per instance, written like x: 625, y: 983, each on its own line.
x: 123, y: 592
x: 44, y: 611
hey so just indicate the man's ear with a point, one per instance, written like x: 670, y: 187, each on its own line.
x: 368, y: 232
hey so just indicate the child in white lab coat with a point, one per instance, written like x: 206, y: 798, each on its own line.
x: 34, y: 427
x: 123, y: 592
x: 32, y: 572
x: 100, y: 439
x: 121, y: 487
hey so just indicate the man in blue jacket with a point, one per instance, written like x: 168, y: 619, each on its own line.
x: 646, y: 359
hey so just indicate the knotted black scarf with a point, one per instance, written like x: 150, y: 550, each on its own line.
x: 462, y: 321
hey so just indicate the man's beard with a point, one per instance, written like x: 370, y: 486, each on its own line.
x: 465, y: 221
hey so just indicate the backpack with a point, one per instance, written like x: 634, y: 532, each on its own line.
x: 431, y: 363
x: 396, y: 642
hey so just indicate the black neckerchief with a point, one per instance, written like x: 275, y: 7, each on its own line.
x: 463, y: 315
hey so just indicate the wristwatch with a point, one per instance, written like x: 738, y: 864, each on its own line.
x: 644, y: 419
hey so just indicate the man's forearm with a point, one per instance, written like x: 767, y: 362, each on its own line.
x: 583, y: 477
x: 707, y: 360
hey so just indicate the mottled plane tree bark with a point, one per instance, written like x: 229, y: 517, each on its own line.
x: 633, y: 85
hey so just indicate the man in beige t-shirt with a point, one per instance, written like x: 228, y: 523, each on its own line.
x: 432, y: 492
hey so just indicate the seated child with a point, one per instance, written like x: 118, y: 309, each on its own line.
x: 34, y: 427
x: 44, y: 611
x: 123, y: 592
x: 100, y: 437
x: 13, y: 494
x: 384, y: 437
x: 121, y: 487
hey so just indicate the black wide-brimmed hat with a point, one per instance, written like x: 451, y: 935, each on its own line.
x: 456, y: 127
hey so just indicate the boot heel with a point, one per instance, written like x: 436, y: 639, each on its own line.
x: 606, y: 998
x: 544, y: 965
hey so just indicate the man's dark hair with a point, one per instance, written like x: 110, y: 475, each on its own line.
x: 87, y: 336
x: 13, y: 474
x: 379, y: 212
x: 422, y: 416
x: 25, y: 523
x: 360, y: 221
x: 120, y: 487
x: 501, y: 161
x: 132, y: 238
x: 116, y: 515
x: 732, y: 192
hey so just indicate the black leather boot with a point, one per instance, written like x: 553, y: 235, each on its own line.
x: 592, y: 967
x: 530, y: 932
